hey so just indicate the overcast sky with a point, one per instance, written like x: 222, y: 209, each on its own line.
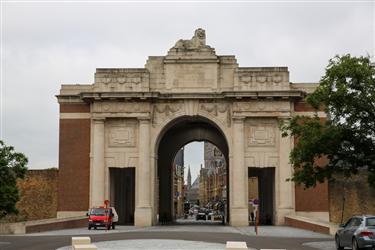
x: 47, y: 44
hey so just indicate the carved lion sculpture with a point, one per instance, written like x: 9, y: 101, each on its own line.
x: 198, y: 41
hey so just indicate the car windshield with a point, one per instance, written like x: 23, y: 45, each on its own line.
x: 370, y: 222
x: 99, y: 211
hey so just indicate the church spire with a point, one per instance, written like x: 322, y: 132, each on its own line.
x: 189, y: 178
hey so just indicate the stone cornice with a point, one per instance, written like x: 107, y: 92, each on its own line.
x: 96, y: 96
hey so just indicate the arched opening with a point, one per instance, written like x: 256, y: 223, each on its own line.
x: 177, y: 134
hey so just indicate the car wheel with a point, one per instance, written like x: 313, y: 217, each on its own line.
x: 355, y: 245
x: 337, y: 241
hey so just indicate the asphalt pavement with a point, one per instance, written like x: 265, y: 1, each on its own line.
x: 179, y: 236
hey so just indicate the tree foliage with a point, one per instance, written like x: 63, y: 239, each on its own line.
x: 345, y: 142
x: 12, y: 166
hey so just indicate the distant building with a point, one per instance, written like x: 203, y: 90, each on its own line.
x: 178, y: 183
x: 213, y: 177
x: 192, y: 195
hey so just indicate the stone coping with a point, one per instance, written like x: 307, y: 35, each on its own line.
x: 24, y: 227
x: 331, y: 228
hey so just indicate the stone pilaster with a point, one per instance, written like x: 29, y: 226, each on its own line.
x: 143, y: 211
x: 97, y: 171
x: 238, y: 176
x: 286, y: 188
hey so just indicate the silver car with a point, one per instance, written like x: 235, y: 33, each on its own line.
x: 357, y: 233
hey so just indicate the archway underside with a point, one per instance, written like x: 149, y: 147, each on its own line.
x: 181, y: 133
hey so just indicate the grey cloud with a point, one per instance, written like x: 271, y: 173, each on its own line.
x: 47, y: 44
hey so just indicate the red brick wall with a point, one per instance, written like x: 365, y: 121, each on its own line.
x: 74, y: 108
x: 302, y: 106
x: 312, y: 199
x: 74, y: 161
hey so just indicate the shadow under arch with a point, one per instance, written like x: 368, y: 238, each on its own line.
x: 173, y: 137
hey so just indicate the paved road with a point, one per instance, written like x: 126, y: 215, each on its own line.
x: 270, y: 237
x: 54, y: 242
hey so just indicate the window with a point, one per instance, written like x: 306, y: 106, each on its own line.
x: 370, y: 222
x: 357, y: 222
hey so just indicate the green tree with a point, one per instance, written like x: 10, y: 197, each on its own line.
x: 12, y: 166
x: 347, y: 139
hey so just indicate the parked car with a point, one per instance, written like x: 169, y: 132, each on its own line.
x: 201, y: 215
x: 102, y: 217
x: 357, y: 233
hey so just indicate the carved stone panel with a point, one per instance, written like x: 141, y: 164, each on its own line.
x: 121, y: 133
x: 121, y: 137
x: 262, y: 159
x: 191, y: 76
x: 121, y: 159
x: 261, y: 132
x: 261, y: 135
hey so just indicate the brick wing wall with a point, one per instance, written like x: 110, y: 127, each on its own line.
x: 74, y: 161
x: 312, y: 199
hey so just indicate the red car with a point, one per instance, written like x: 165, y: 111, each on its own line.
x: 102, y: 217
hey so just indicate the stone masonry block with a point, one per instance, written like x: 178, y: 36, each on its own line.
x: 236, y: 245
x: 81, y: 241
x: 85, y: 247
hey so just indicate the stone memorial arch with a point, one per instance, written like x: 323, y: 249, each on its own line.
x: 118, y: 135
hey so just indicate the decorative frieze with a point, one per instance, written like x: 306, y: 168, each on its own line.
x: 261, y: 106
x: 132, y: 78
x: 120, y: 107
x: 221, y: 110
x: 253, y: 79
x: 161, y: 111
x: 122, y: 79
